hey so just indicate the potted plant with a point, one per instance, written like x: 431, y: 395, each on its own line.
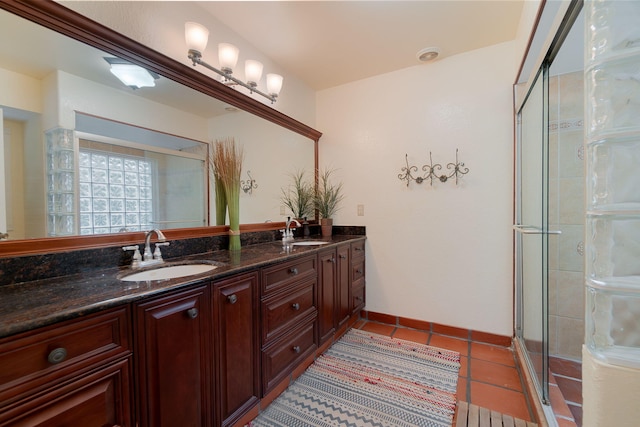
x: 298, y: 197
x: 327, y: 200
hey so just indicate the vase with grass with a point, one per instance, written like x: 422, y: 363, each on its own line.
x: 299, y: 196
x: 227, y: 167
x: 327, y: 200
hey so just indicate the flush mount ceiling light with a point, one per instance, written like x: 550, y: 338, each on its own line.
x: 428, y: 54
x: 132, y: 75
x: 197, y: 37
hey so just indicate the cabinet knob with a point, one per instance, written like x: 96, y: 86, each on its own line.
x: 296, y: 349
x: 359, y: 271
x: 293, y: 271
x: 343, y: 256
x: 332, y: 259
x: 295, y: 306
x: 232, y: 299
x: 192, y: 313
x: 358, y: 298
x: 57, y: 355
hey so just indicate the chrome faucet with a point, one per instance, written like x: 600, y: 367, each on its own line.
x: 149, y: 258
x: 148, y: 255
x: 287, y: 233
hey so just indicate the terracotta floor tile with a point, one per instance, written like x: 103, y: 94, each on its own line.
x: 565, y: 423
x: 496, y: 374
x: 500, y: 399
x: 411, y: 335
x: 567, y: 368
x: 576, y: 411
x: 464, y: 366
x: 359, y: 324
x: 448, y: 343
x: 378, y: 328
x: 571, y: 389
x: 493, y: 353
x: 461, y: 392
x: 558, y: 403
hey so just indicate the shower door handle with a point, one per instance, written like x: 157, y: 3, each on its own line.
x: 530, y: 229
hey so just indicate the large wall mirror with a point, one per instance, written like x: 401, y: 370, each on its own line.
x: 83, y: 154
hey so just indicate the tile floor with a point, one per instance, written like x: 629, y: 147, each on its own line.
x: 565, y: 391
x: 488, y: 374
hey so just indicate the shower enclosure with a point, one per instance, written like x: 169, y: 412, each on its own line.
x: 549, y: 205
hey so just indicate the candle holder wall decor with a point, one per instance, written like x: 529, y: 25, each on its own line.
x: 432, y: 171
x: 249, y: 185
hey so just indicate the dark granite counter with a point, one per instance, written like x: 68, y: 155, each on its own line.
x: 29, y: 305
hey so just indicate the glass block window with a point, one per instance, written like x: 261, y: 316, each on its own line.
x: 116, y: 192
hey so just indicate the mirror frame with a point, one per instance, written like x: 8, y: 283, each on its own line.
x: 68, y: 22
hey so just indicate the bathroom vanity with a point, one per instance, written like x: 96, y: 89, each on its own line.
x: 92, y: 350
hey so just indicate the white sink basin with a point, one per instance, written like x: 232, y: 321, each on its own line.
x: 168, y: 272
x: 309, y: 243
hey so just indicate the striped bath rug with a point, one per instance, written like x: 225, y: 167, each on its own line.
x: 366, y: 379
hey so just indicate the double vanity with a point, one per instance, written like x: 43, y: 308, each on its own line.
x: 200, y: 349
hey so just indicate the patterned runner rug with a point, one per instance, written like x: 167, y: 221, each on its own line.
x: 366, y: 379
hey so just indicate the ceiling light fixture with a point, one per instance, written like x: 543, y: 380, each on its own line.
x: 428, y: 54
x: 131, y: 75
x: 197, y: 37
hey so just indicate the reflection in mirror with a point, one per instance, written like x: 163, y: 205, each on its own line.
x: 53, y: 85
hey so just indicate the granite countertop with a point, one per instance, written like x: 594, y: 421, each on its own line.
x: 29, y: 305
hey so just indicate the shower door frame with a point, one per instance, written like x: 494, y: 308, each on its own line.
x: 563, y: 19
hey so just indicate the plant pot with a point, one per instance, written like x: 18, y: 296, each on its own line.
x: 326, y: 226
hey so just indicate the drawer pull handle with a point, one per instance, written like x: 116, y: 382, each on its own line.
x: 357, y: 248
x: 57, y: 355
x: 296, y: 349
x: 295, y: 306
x: 342, y: 256
x: 232, y: 299
x: 293, y: 271
x: 359, y: 271
x: 358, y: 298
x: 331, y: 259
x: 192, y: 313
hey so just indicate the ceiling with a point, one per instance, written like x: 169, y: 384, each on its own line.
x: 330, y: 43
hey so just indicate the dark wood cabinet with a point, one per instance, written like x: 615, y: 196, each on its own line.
x: 327, y: 294
x: 335, y: 304
x: 74, y: 374
x: 174, y: 359
x: 357, y: 278
x: 237, y: 346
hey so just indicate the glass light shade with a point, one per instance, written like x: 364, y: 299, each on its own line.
x: 133, y: 75
x: 274, y: 84
x: 228, y: 56
x: 196, y: 36
x: 252, y: 71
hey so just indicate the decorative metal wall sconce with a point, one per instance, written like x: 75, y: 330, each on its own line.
x: 248, y: 185
x: 433, y: 171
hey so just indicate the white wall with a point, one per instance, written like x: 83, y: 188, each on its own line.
x: 440, y: 253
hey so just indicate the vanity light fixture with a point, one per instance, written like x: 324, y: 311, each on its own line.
x: 197, y: 37
x: 131, y: 75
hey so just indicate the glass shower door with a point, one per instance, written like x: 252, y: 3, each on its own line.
x: 531, y: 231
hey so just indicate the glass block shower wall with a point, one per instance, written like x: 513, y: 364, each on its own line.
x: 612, y: 84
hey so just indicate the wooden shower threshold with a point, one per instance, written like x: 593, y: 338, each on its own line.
x: 469, y: 415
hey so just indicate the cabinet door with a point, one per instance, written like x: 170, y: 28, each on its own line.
x: 99, y: 399
x: 174, y: 358
x: 326, y: 294
x: 238, y: 379
x: 343, y: 285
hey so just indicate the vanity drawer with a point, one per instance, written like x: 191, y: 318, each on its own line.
x: 62, y: 351
x: 357, y: 270
x: 277, y: 277
x: 357, y: 296
x: 280, y: 358
x: 357, y: 250
x: 285, y: 311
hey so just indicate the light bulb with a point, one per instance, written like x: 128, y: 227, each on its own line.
x: 252, y: 71
x: 274, y: 84
x: 228, y: 57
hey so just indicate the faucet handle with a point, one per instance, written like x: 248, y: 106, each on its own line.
x: 135, y: 261
x: 156, y: 253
